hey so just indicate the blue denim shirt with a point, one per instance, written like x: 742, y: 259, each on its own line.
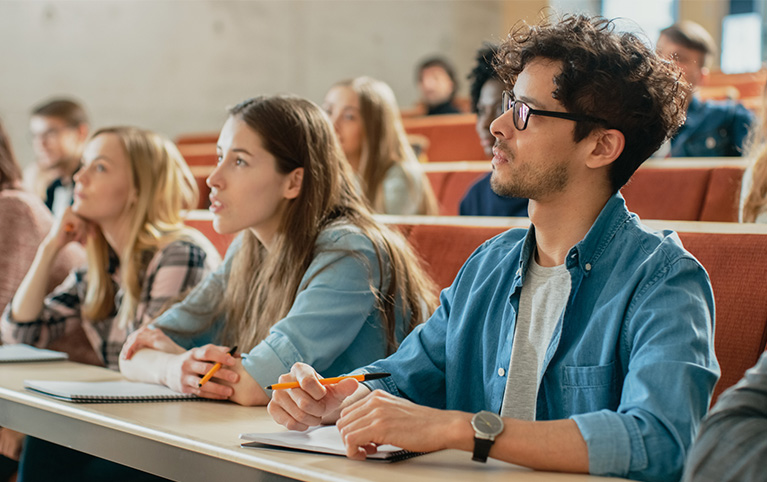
x: 333, y: 324
x: 631, y: 360
x: 712, y: 129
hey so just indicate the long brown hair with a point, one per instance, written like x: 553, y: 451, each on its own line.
x: 165, y: 187
x: 10, y: 172
x: 263, y: 285
x: 385, y: 144
x: 756, y: 199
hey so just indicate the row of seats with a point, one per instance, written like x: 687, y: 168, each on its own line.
x: 684, y: 190
x: 734, y: 255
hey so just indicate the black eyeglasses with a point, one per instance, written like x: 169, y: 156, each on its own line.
x: 522, y: 112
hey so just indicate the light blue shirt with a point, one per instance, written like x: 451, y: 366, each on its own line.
x: 333, y: 325
x: 631, y: 360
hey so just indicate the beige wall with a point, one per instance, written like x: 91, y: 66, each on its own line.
x: 174, y: 65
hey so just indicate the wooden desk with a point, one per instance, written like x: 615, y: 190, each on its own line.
x: 198, y: 441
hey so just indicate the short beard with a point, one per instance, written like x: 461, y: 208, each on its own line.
x: 532, y: 185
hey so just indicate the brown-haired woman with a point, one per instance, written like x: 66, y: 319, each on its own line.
x: 367, y: 122
x: 312, y: 277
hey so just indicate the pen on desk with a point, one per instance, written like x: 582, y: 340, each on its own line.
x: 213, y: 370
x: 329, y: 381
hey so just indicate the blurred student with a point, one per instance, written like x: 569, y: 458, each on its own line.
x: 25, y: 221
x: 129, y: 197
x: 367, y: 122
x: 312, y: 276
x: 438, y: 85
x: 753, y: 193
x: 732, y: 441
x: 712, y: 128
x: 582, y: 344
x: 59, y: 130
x: 486, y: 91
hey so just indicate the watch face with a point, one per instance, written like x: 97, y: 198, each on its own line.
x: 487, y: 423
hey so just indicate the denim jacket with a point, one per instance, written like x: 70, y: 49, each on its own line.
x: 333, y: 325
x: 631, y: 360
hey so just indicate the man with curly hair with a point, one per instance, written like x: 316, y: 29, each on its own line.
x: 590, y: 334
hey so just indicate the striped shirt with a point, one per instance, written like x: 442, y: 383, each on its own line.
x: 170, y: 273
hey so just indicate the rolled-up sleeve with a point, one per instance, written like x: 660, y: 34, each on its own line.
x: 60, y: 314
x: 671, y: 375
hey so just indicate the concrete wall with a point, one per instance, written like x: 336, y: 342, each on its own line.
x: 175, y: 65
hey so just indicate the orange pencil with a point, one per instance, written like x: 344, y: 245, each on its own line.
x: 329, y: 381
x: 213, y: 370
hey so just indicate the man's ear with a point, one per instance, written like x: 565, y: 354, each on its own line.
x: 608, y: 146
x: 293, y: 186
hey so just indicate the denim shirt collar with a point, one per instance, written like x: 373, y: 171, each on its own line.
x: 586, y: 253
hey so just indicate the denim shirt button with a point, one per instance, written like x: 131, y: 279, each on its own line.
x: 587, y: 266
x: 501, y: 372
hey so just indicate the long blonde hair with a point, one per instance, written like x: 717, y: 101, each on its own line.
x: 263, y: 285
x: 385, y: 143
x: 756, y: 199
x: 164, y: 187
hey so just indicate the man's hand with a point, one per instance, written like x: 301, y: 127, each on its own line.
x: 382, y: 418
x: 312, y: 403
x: 10, y: 443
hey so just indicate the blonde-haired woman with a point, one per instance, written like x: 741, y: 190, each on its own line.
x: 367, y: 122
x: 312, y: 277
x: 129, y: 197
x: 753, y: 198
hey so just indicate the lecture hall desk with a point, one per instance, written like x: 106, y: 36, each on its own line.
x: 198, y: 441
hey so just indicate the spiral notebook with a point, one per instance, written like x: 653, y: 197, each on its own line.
x: 25, y: 353
x: 105, y: 392
x: 322, y: 440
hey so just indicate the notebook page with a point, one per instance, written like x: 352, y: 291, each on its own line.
x: 25, y: 353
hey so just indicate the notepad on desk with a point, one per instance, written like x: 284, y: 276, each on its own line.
x: 24, y: 353
x: 106, y: 392
x: 322, y: 440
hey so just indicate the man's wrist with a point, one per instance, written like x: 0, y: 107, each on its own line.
x: 460, y: 435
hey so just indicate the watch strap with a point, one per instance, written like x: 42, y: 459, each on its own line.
x: 482, y: 449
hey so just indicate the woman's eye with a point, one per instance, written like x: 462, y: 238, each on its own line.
x: 100, y: 168
x: 240, y: 162
x: 219, y: 159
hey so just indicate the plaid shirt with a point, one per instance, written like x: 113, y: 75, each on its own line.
x: 172, y: 271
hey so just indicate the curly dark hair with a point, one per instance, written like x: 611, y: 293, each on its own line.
x: 482, y: 72
x: 608, y: 75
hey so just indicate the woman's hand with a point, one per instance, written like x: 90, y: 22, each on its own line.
x: 70, y: 227
x: 147, y: 337
x: 183, y: 372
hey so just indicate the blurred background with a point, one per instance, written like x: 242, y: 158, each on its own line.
x: 175, y: 65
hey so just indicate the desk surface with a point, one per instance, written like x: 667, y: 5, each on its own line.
x: 199, y: 440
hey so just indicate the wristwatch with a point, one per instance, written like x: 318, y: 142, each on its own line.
x: 487, y: 426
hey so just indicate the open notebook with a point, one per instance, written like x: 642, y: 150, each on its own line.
x: 322, y: 440
x: 26, y: 353
x: 105, y: 392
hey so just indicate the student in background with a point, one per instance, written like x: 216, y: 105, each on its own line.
x: 25, y: 221
x: 312, y: 276
x: 732, y: 441
x: 712, y: 128
x: 486, y: 89
x: 753, y: 193
x: 590, y: 334
x: 59, y: 130
x: 438, y: 84
x: 367, y: 122
x: 129, y: 197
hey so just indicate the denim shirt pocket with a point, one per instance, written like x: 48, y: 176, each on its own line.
x: 590, y: 388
